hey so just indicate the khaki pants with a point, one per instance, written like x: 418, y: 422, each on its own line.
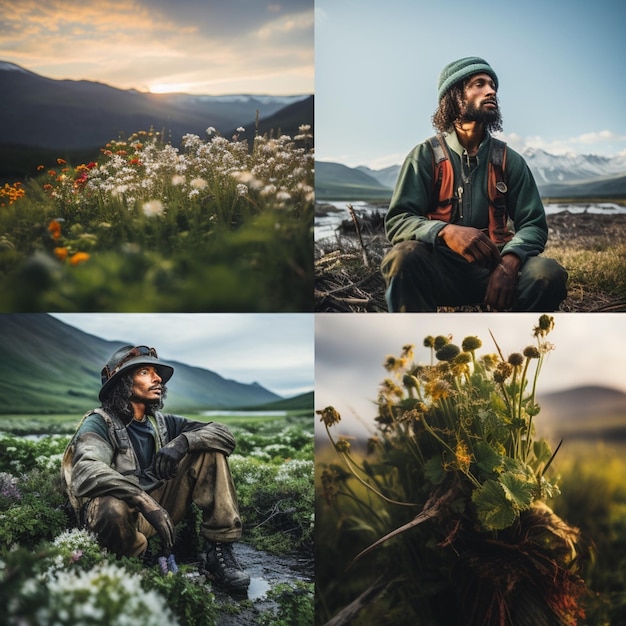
x: 203, y: 478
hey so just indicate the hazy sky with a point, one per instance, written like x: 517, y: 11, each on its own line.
x: 559, y: 64
x: 350, y: 350
x: 275, y: 350
x: 195, y: 46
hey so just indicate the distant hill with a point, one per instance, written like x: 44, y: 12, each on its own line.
x: 40, y: 117
x: 49, y: 367
x: 334, y: 181
x: 302, y: 402
x: 286, y: 121
x: 592, y: 412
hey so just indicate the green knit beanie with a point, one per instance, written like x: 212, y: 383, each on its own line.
x: 461, y: 69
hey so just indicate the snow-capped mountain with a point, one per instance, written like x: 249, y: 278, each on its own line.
x: 563, y: 168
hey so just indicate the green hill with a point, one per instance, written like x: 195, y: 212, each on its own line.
x: 49, y: 367
x: 334, y: 181
x: 303, y: 402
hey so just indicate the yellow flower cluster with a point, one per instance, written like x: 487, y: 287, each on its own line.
x: 11, y: 192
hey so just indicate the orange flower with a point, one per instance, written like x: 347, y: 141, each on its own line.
x: 40, y: 167
x: 55, y: 229
x: 79, y: 257
x: 61, y: 253
x: 61, y: 161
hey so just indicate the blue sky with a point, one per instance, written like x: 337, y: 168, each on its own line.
x: 560, y: 67
x: 193, y: 46
x: 350, y: 350
x: 275, y: 350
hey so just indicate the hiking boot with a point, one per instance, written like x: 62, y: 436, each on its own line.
x: 220, y: 565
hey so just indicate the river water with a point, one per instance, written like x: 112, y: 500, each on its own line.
x: 327, y: 221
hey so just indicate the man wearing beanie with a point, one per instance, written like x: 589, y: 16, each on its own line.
x: 132, y: 472
x: 462, y: 233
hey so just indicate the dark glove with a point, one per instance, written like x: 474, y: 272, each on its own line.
x: 169, y: 456
x: 161, y: 521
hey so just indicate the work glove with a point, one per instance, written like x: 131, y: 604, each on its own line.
x: 169, y: 456
x: 161, y: 521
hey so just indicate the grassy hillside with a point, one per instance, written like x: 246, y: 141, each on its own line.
x: 48, y: 367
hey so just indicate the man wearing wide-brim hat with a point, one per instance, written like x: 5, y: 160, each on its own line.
x: 132, y: 472
x: 466, y: 218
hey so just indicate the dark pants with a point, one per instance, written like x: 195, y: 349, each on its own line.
x: 202, y: 478
x: 421, y: 277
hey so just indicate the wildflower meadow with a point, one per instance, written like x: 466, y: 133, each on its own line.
x: 212, y: 225
x: 52, y: 572
x: 456, y: 512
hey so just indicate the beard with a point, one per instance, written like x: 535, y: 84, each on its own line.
x: 491, y: 118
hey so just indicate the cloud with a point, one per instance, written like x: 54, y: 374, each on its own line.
x: 228, y: 46
x: 603, y: 141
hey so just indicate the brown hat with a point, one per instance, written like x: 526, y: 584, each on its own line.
x: 131, y: 356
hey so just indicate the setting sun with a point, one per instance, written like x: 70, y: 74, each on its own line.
x: 167, y: 88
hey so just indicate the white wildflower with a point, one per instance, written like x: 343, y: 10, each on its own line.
x: 199, y: 183
x: 152, y: 208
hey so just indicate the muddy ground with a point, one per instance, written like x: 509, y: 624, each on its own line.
x: 347, y: 276
x: 265, y: 570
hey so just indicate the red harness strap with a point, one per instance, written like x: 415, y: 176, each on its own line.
x: 445, y: 202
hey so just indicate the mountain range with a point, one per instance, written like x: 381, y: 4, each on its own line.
x: 50, y: 367
x: 569, y: 175
x: 42, y: 117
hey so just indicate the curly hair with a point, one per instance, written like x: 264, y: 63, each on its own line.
x: 450, y: 111
x: 117, y: 400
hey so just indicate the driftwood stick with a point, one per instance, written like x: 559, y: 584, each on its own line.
x: 358, y: 232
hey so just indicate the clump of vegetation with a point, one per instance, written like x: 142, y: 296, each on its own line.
x: 215, y: 225
x: 445, y: 520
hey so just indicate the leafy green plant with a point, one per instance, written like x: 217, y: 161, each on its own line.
x: 19, y: 455
x: 295, y: 605
x: 276, y: 503
x: 449, y: 505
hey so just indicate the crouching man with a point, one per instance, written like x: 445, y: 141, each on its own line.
x: 131, y: 471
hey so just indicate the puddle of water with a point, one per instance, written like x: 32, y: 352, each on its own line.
x: 258, y: 588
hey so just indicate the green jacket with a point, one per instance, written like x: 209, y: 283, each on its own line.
x: 406, y: 218
x: 99, y: 460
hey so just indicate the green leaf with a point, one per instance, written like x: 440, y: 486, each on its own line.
x: 487, y: 458
x: 494, y: 510
x: 518, y: 490
x: 433, y: 470
x: 542, y: 451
